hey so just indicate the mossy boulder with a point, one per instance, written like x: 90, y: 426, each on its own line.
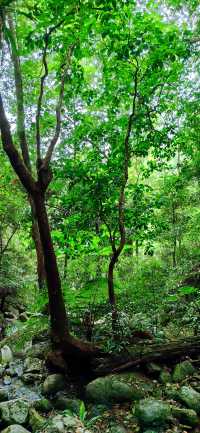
x: 190, y: 398
x: 3, y: 394
x: 14, y: 411
x: 152, y: 412
x: 119, y: 387
x: 165, y: 377
x: 185, y: 416
x: 109, y: 390
x: 182, y: 370
x: 53, y: 383
x: 36, y: 421
x: 62, y: 402
x: 64, y: 424
x: 43, y: 405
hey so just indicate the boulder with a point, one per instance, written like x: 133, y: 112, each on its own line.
x: 15, y: 428
x: 63, y: 424
x: 109, y: 390
x: 39, y: 350
x: 6, y: 355
x: 33, y: 365
x: 152, y: 412
x: 53, y: 383
x: 43, y: 405
x: 3, y: 394
x: 190, y: 398
x: 30, y: 378
x: 36, y: 421
x: 135, y: 387
x: 182, y: 370
x: 15, y: 368
x: 165, y: 377
x: 7, y: 380
x: 14, y: 411
x: 185, y: 416
x: 62, y: 402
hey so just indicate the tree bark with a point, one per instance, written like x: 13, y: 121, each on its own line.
x: 21, y: 132
x: 59, y: 321
x: 168, y: 352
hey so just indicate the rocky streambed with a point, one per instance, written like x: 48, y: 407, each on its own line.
x: 33, y: 399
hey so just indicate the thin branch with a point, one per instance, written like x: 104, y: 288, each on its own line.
x: 3, y: 250
x: 54, y: 140
x: 39, y: 104
x: 21, y: 131
x: 42, y: 82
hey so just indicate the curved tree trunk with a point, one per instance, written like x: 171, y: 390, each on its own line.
x: 21, y: 132
x: 59, y: 322
x: 74, y: 349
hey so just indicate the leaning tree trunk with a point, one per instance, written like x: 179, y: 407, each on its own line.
x: 59, y: 322
x: 72, y: 348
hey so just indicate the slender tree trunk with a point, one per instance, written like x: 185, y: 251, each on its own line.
x: 174, y: 236
x: 59, y: 321
x: 21, y: 132
x: 111, y: 293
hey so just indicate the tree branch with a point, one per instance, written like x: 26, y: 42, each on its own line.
x: 13, y: 155
x: 3, y: 249
x: 54, y: 140
x: 21, y: 132
x: 42, y: 81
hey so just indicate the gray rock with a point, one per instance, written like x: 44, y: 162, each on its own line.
x: 32, y: 377
x: 108, y: 390
x: 185, y: 416
x: 190, y: 398
x: 15, y: 368
x: 6, y: 355
x: 14, y: 411
x: 53, y: 384
x: 39, y: 350
x: 2, y: 369
x: 63, y: 424
x: 151, y: 412
x: 33, y: 365
x: 7, y: 380
x: 182, y: 370
x: 15, y: 428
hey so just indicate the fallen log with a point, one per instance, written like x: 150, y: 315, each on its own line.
x: 170, y: 351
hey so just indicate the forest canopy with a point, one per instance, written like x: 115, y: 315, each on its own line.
x: 99, y: 182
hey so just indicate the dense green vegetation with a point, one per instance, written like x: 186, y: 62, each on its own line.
x: 99, y: 181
